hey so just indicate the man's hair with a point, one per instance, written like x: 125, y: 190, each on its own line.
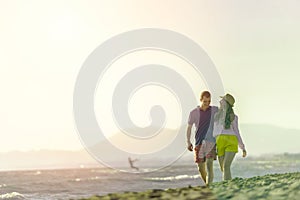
x: 205, y: 94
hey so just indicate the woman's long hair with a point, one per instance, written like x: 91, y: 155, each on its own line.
x: 229, y: 116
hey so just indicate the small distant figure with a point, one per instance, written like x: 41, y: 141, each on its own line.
x: 131, y: 163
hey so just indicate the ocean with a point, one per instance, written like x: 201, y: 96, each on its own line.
x: 86, y: 182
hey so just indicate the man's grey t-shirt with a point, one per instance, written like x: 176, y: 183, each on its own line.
x: 204, y: 122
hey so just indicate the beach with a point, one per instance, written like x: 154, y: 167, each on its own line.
x: 265, y: 177
x: 271, y: 186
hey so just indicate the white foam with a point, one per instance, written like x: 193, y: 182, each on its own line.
x: 12, y: 195
x: 174, y: 178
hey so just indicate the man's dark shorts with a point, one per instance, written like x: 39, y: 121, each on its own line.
x: 205, y: 150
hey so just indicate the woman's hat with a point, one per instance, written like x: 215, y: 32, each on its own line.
x: 229, y: 98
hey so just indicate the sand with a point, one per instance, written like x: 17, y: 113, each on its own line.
x: 273, y: 186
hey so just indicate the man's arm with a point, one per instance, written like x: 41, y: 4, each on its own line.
x: 188, y: 137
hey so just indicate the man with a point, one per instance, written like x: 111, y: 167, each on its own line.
x: 205, y: 148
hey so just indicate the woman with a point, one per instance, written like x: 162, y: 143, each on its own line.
x: 227, y: 135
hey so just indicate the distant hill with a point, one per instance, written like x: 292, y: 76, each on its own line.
x: 41, y: 159
x: 267, y: 139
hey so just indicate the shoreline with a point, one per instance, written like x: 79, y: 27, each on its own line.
x: 271, y: 186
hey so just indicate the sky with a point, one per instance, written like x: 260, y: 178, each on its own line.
x: 254, y: 45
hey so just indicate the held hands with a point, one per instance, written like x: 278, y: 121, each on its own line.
x: 190, y: 146
x: 244, y: 153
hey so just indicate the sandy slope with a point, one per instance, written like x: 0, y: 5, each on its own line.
x: 274, y: 186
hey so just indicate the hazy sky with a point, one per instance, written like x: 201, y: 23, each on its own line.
x: 255, y: 46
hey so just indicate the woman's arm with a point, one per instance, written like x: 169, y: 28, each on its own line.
x: 237, y: 132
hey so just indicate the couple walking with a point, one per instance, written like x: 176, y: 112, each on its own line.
x: 217, y: 134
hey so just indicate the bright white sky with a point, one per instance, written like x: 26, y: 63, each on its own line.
x: 255, y: 46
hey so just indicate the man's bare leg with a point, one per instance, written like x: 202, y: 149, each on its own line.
x: 202, y: 171
x: 210, y: 171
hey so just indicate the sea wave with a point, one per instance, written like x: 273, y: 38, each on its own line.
x: 12, y: 195
x: 173, y: 178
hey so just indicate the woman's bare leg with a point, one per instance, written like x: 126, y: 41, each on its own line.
x: 228, y: 158
x: 221, y: 162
